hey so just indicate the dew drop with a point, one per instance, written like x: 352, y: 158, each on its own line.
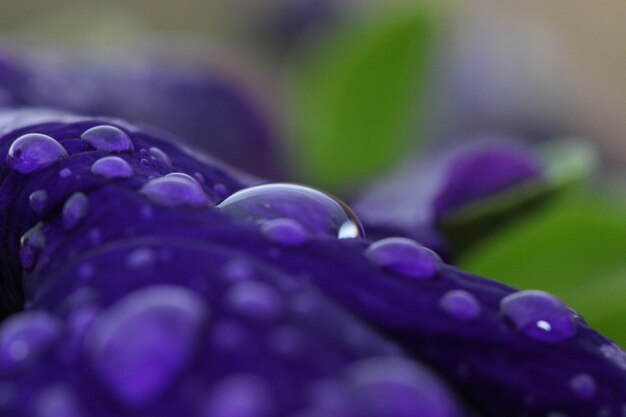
x: 404, y: 257
x: 254, y: 299
x: 108, y: 138
x: 539, y: 316
x: 75, y: 210
x: 25, y: 337
x: 169, y: 320
x: 228, y: 335
x: 141, y: 258
x: 242, y: 395
x: 176, y: 189
x: 460, y: 305
x: 37, y: 200
x: 318, y: 212
x: 65, y: 172
x: 33, y: 152
x: 112, y: 167
x: 584, y: 386
x: 158, y: 155
x: 31, y: 244
x: 144, y: 163
x: 285, y: 232
x: 237, y: 270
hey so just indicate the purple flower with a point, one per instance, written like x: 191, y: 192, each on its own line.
x: 157, y: 303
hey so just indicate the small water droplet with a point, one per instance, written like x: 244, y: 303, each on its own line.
x: 221, y: 190
x: 460, y: 305
x: 37, y: 200
x: 241, y: 395
x: 144, y: 163
x: 158, y: 155
x: 141, y: 258
x: 255, y: 300
x: 584, y: 386
x: 108, y: 138
x: 285, y: 341
x: 176, y: 189
x: 318, y: 212
x: 56, y: 401
x: 237, y: 270
x: 404, y: 257
x: 75, y: 210
x: 25, y: 337
x: 85, y: 271
x: 539, y: 316
x: 285, y: 232
x: 31, y: 244
x: 169, y: 319
x: 112, y: 167
x: 95, y: 237
x: 65, y: 172
x: 33, y: 152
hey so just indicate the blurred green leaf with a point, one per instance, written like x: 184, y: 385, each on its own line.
x: 567, y: 164
x: 357, y: 99
x: 575, y: 249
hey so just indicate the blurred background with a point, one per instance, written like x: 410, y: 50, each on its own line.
x: 492, y: 131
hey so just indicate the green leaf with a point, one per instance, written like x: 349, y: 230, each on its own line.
x: 357, y: 99
x: 575, y: 249
x: 567, y: 164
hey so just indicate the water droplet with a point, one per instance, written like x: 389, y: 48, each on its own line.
x: 539, y: 315
x: 241, y: 395
x: 404, y: 257
x: 176, y: 189
x: 95, y: 237
x: 56, y: 401
x: 37, y: 200
x: 141, y: 258
x: 33, y: 152
x: 139, y: 370
x: 285, y: 232
x: 584, y: 386
x: 237, y: 270
x: 144, y: 163
x: 108, y: 138
x: 65, y: 172
x: 400, y: 387
x: 75, y: 210
x: 31, y: 244
x: 460, y: 305
x: 25, y: 337
x: 255, y: 300
x: 85, y: 271
x: 112, y: 167
x: 318, y: 212
x: 221, y: 190
x: 158, y: 155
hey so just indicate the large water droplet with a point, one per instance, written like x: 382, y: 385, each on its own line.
x: 25, y: 337
x: 108, y: 138
x: 242, y: 395
x: 31, y: 244
x: 460, y: 305
x: 75, y: 210
x: 539, y: 315
x: 584, y: 386
x: 404, y: 257
x: 254, y: 299
x: 285, y: 232
x: 112, y: 167
x: 318, y: 212
x: 33, y: 152
x: 169, y: 320
x: 176, y: 189
x: 37, y: 201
